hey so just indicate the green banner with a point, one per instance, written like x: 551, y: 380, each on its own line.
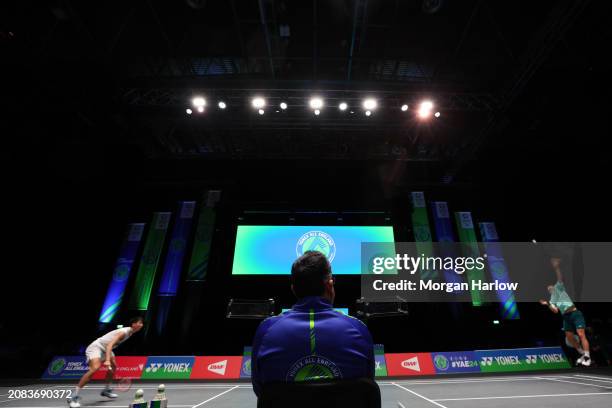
x: 467, y: 236
x: 145, y: 278
x: 528, y: 359
x: 200, y: 253
x: 421, y: 230
x: 168, y: 368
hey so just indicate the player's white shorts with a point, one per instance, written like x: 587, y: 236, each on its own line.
x: 96, y: 351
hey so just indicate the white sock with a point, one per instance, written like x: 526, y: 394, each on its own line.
x: 76, y: 391
x: 587, y: 354
x: 580, y: 350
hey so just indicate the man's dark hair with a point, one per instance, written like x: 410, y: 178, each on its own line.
x: 136, y: 319
x: 308, y: 274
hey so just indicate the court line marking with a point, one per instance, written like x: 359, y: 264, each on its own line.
x: 216, y: 396
x: 524, y: 396
x: 585, y: 379
x: 571, y: 382
x: 465, y: 381
x: 458, y: 380
x: 593, y: 378
x: 245, y: 385
x: 420, y: 396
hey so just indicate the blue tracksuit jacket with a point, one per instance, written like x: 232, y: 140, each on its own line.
x: 309, y: 342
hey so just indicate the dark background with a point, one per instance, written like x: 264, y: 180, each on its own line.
x: 523, y: 140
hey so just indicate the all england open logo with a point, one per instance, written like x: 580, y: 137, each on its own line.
x: 57, y: 366
x: 313, y: 368
x: 316, y: 241
x: 441, y: 362
x: 121, y: 272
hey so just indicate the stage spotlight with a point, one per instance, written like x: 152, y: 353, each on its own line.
x: 283, y: 105
x: 404, y: 108
x: 424, y: 114
x: 198, y: 102
x: 261, y: 111
x: 189, y: 111
x: 425, y: 109
x: 427, y: 105
x: 437, y: 114
x: 316, y: 103
x: 200, y: 109
x: 222, y: 105
x: 317, y: 112
x: 343, y: 106
x: 368, y: 113
x: 258, y: 102
x: 370, y: 104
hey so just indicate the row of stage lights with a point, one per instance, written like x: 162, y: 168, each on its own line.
x: 425, y: 109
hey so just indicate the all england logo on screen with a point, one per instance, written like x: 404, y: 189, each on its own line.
x: 316, y: 241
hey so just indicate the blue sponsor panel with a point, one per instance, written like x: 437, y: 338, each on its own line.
x: 65, y: 367
x: 245, y: 369
x: 453, y: 362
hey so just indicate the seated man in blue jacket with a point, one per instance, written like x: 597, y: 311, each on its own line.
x: 311, y: 341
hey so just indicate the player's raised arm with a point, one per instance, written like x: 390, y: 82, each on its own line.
x: 556, y: 264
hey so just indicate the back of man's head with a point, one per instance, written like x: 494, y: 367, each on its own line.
x: 308, y: 274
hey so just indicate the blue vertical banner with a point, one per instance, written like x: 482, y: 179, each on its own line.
x: 498, y: 268
x: 175, y: 256
x: 122, y: 271
x: 200, y: 255
x: 445, y: 237
x: 176, y: 249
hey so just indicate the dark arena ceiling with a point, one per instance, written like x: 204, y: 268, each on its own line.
x: 123, y: 73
